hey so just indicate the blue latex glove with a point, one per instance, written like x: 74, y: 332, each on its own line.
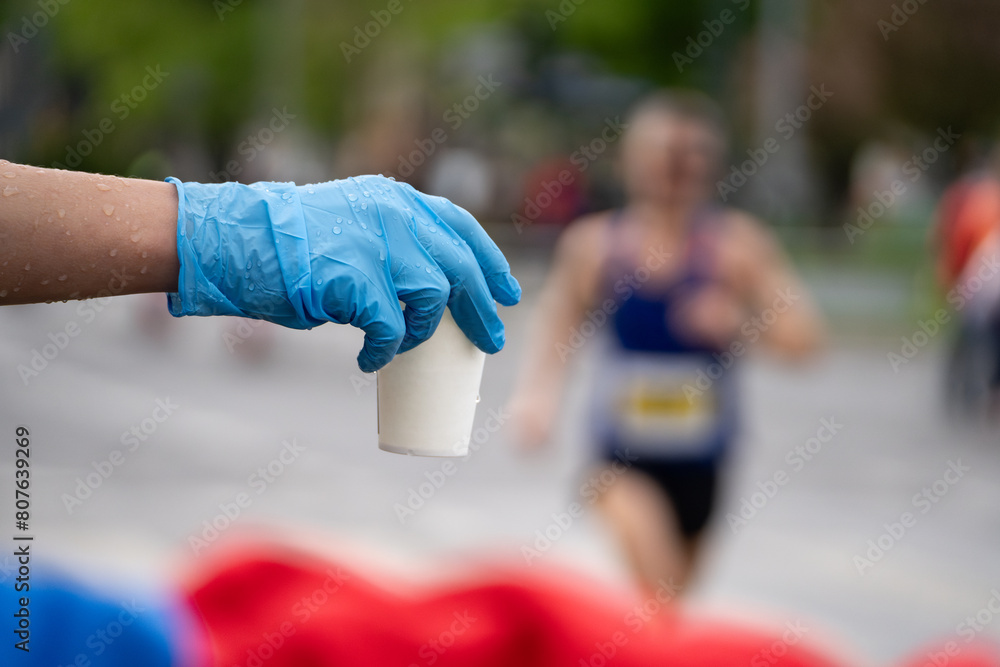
x: 345, y: 251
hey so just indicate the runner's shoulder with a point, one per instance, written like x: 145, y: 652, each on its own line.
x: 747, y: 232
x: 586, y: 237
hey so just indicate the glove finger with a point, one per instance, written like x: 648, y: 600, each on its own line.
x: 384, y: 332
x: 425, y: 306
x: 502, y: 285
x: 475, y: 313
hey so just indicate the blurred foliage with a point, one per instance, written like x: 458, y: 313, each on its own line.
x: 230, y: 61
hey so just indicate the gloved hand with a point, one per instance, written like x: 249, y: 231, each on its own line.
x: 345, y: 251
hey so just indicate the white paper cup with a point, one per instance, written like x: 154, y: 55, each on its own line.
x: 427, y: 396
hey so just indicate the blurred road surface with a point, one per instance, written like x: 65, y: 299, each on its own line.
x: 206, y: 420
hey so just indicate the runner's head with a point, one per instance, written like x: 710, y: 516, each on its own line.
x: 673, y: 148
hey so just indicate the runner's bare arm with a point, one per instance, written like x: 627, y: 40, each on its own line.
x: 782, y: 313
x: 569, y: 290
x: 72, y: 235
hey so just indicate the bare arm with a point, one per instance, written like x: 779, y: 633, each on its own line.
x: 72, y: 235
x: 569, y: 290
x: 783, y: 314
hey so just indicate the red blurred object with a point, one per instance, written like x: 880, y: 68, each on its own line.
x: 280, y: 610
x: 553, y: 192
x: 969, y: 213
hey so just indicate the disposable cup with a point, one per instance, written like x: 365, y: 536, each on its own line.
x: 427, y: 396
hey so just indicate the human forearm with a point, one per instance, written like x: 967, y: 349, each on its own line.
x: 72, y: 235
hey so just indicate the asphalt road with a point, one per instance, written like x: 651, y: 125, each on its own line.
x: 199, y: 429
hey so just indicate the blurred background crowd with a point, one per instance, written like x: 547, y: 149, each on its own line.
x: 862, y: 132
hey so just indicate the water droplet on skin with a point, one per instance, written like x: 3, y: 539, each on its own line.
x: 10, y: 190
x: 135, y: 238
x: 27, y: 267
x: 45, y: 282
x: 9, y: 174
x: 61, y: 212
x: 62, y: 278
x: 142, y: 270
x: 114, y: 251
x: 144, y: 254
x: 364, y: 226
x: 102, y: 187
x: 108, y: 209
x: 250, y: 287
x: 3, y: 293
x: 336, y: 230
x: 17, y: 289
x: 352, y: 197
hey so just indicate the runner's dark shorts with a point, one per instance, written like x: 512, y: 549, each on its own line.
x: 690, y: 486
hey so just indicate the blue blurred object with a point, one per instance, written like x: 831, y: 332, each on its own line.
x: 344, y: 251
x: 70, y: 624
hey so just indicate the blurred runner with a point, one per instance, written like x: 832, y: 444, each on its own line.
x: 967, y: 240
x: 685, y: 287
